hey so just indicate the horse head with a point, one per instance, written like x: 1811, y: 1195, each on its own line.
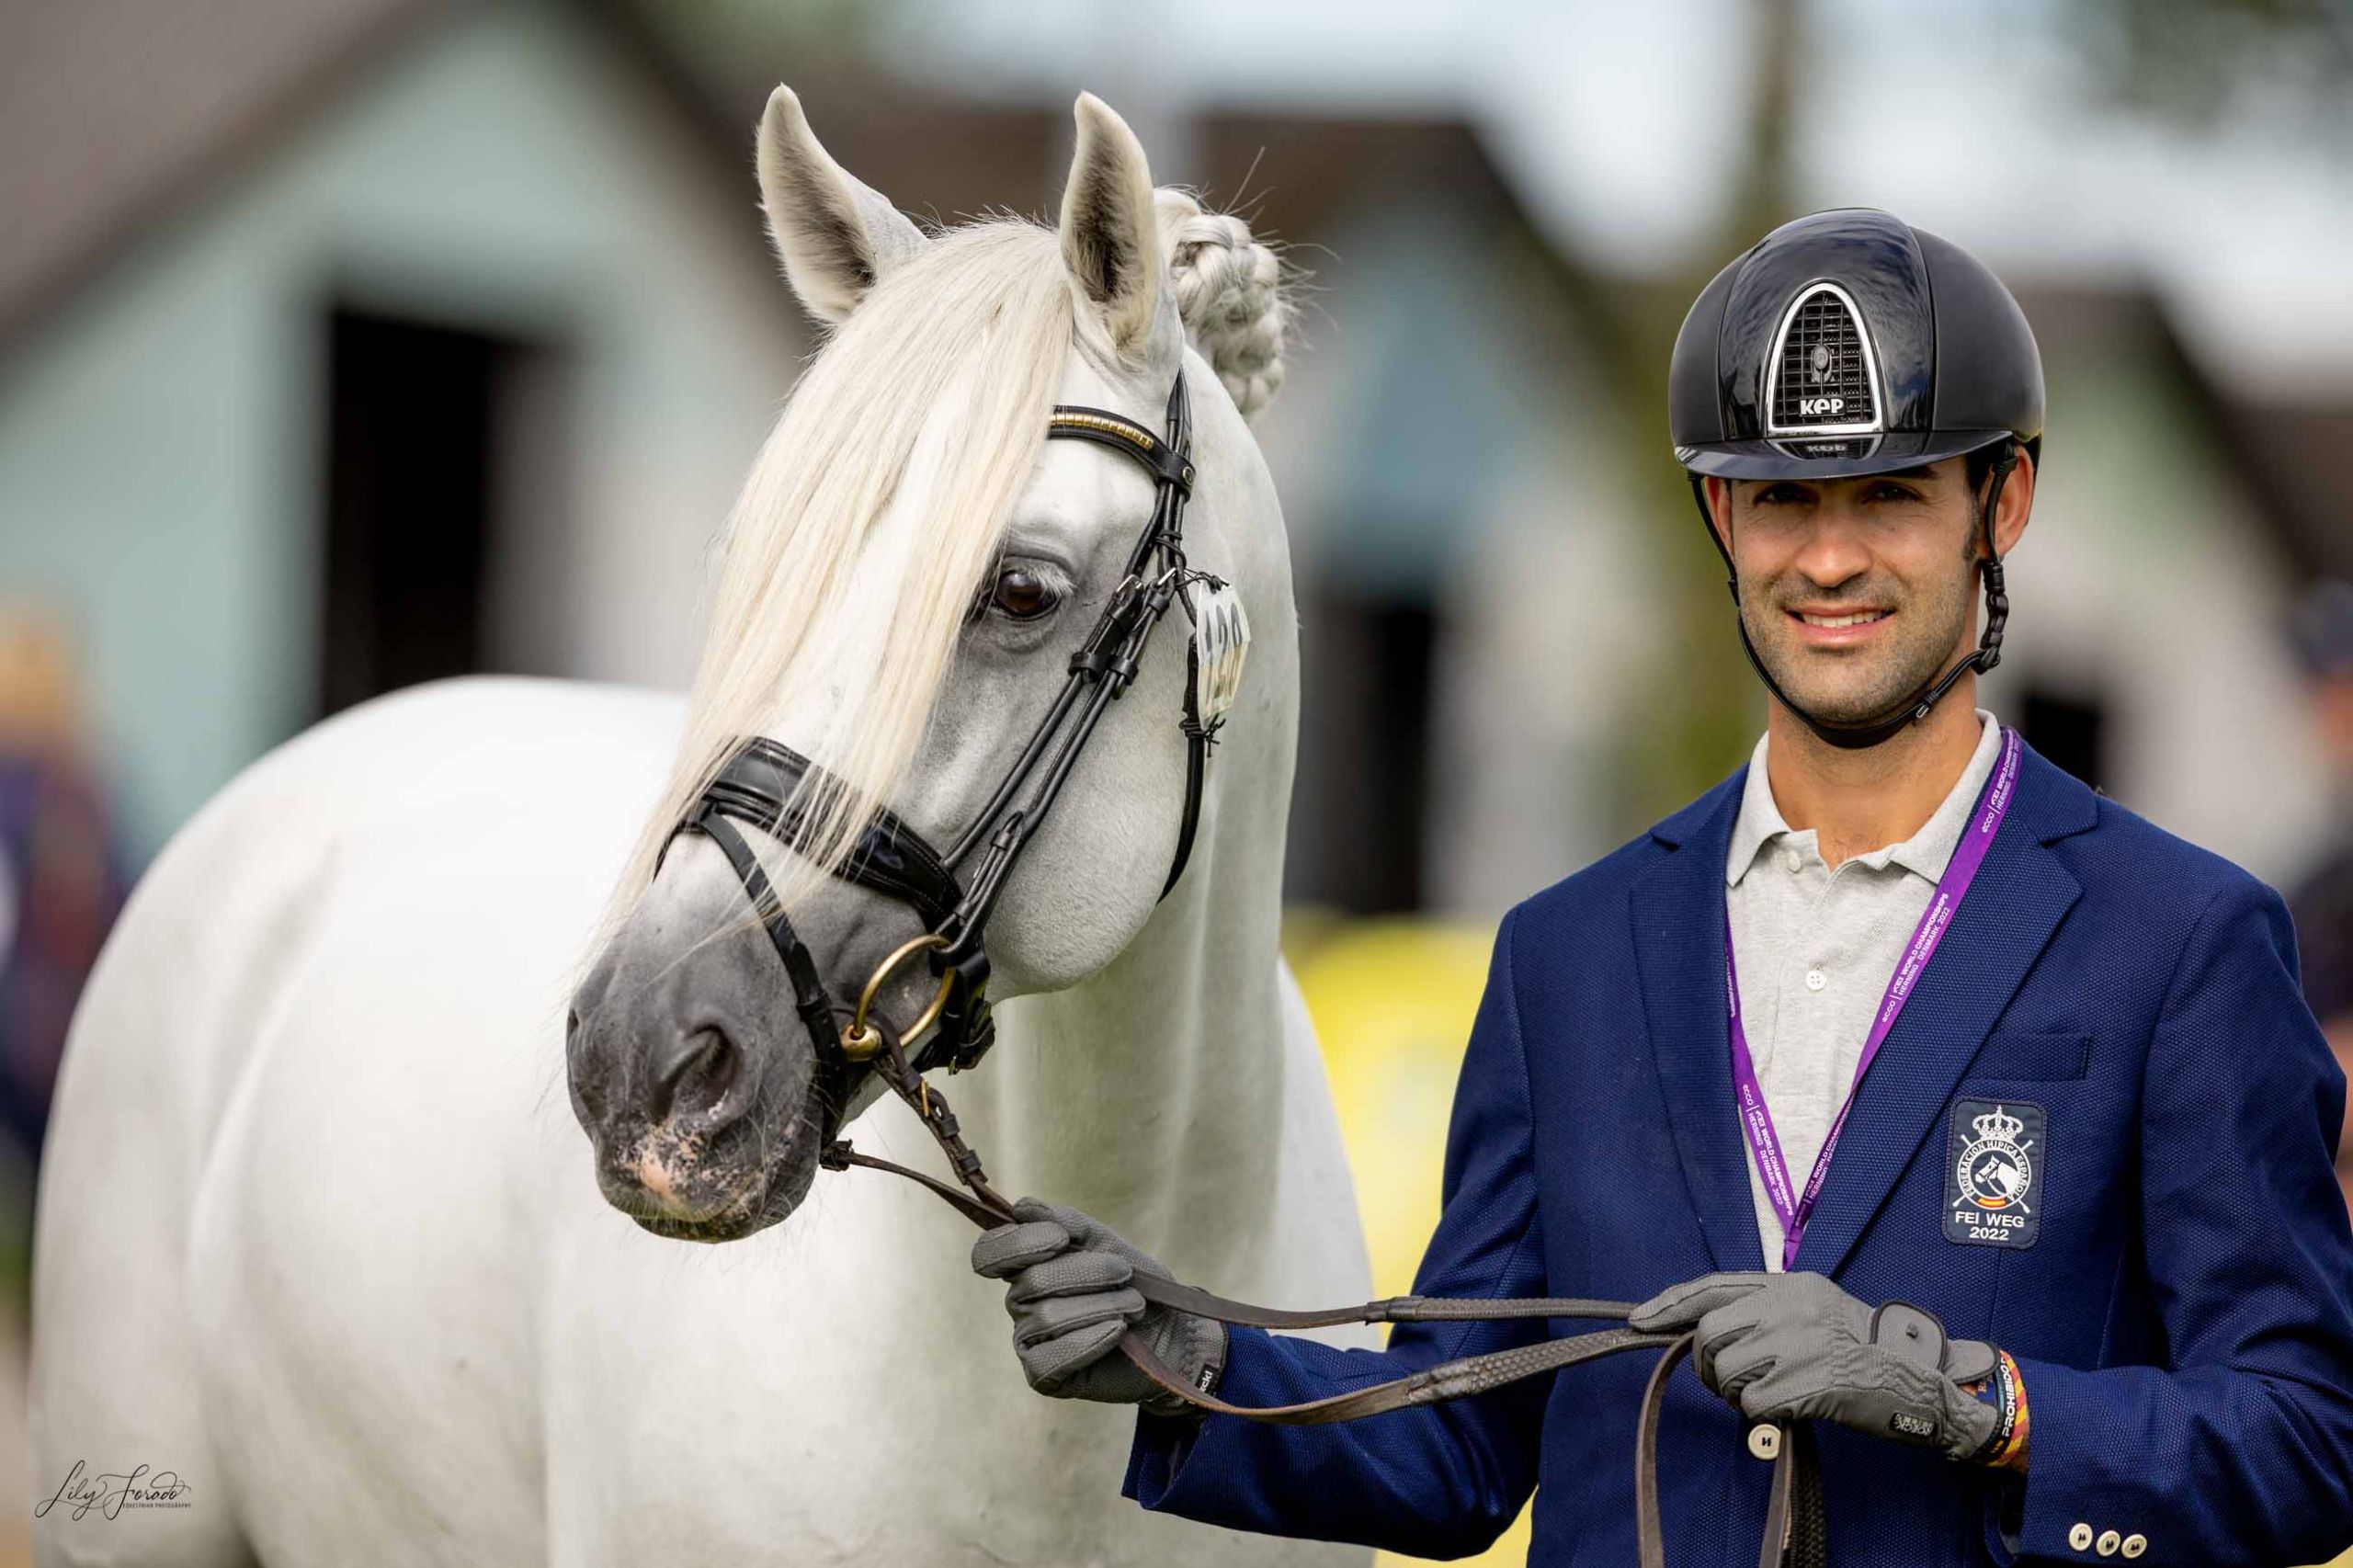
x: 921, y: 599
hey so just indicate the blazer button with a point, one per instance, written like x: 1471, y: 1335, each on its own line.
x: 2135, y: 1544
x: 2108, y: 1542
x: 1765, y: 1440
x: 2080, y: 1538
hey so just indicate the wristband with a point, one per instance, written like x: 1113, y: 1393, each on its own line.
x: 2006, y: 1392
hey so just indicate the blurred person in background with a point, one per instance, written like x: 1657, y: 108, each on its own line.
x: 2098, y: 1142
x: 2323, y: 902
x: 61, y: 882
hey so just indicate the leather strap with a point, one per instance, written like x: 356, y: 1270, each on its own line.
x: 1795, y: 1531
x: 1458, y: 1379
x: 809, y: 998
x: 1649, y: 1534
x: 1166, y: 461
x: 1197, y: 741
x: 759, y: 779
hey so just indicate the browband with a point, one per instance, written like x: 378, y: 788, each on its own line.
x: 1120, y: 433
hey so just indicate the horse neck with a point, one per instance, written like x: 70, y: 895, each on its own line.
x: 1150, y: 1094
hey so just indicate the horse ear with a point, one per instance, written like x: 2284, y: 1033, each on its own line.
x: 1110, y: 238
x: 835, y: 236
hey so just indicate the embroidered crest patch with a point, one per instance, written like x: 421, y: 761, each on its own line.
x: 1994, y: 1173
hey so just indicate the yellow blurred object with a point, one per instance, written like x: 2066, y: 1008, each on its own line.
x: 1393, y: 1000
x: 40, y: 704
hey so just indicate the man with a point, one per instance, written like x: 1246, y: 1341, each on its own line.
x: 2078, y: 1111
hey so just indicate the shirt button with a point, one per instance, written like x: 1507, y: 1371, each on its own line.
x: 1765, y: 1440
x: 2080, y: 1538
x: 1815, y: 980
x: 2135, y: 1544
x: 2108, y: 1542
x: 1790, y: 861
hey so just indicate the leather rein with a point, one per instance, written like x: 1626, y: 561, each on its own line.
x: 1794, y: 1531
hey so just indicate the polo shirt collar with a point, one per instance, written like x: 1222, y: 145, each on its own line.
x: 1925, y: 854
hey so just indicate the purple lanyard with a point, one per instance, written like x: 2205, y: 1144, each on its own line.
x: 1756, y: 1122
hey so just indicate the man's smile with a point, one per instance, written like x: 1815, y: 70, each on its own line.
x: 1838, y: 628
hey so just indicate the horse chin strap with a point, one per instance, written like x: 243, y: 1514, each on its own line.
x: 1914, y: 708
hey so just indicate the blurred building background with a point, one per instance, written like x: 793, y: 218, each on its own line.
x: 350, y: 343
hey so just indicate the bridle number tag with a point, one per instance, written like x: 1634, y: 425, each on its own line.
x: 1221, y: 639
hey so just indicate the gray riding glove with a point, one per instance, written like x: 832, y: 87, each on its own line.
x: 1795, y: 1346
x: 1068, y: 1291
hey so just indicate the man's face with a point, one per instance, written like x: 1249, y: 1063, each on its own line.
x: 1856, y: 592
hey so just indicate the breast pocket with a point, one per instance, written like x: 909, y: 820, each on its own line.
x: 2031, y: 1056
x: 2039, y: 1155
x: 1997, y: 1151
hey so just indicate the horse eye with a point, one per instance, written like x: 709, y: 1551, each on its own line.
x: 1022, y: 595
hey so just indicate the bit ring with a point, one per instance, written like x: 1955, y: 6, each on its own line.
x: 861, y: 1040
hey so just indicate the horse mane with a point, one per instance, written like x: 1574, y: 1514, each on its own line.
x: 930, y: 400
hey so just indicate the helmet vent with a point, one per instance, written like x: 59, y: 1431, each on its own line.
x: 1824, y: 376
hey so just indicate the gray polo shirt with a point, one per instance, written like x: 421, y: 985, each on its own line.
x: 1815, y: 950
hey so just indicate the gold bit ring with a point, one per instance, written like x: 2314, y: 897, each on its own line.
x: 863, y: 1040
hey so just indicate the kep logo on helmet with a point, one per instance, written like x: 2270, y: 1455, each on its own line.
x: 1822, y: 378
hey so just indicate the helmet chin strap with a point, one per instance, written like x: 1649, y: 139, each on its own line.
x: 1988, y: 653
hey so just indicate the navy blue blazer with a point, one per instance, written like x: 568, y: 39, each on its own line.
x: 2182, y: 1311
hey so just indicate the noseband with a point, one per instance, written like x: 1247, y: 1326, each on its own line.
x: 952, y: 894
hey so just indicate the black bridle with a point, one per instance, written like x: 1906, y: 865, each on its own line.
x: 758, y: 784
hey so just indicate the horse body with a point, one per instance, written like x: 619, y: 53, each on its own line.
x: 356, y: 1291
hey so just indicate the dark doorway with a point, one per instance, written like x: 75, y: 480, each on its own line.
x: 2070, y: 732
x: 1357, y: 825
x: 425, y: 421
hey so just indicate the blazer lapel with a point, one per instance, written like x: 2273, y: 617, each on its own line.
x: 1678, y: 908
x: 2022, y: 894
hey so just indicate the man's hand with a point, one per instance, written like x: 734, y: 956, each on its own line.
x: 1795, y: 1347
x: 1067, y: 1289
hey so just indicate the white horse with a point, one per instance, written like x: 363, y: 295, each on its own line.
x: 318, y: 1235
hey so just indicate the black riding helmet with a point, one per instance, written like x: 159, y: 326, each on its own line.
x: 1848, y: 342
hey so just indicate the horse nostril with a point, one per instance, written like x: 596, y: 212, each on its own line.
x: 585, y: 1074
x: 699, y: 1077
